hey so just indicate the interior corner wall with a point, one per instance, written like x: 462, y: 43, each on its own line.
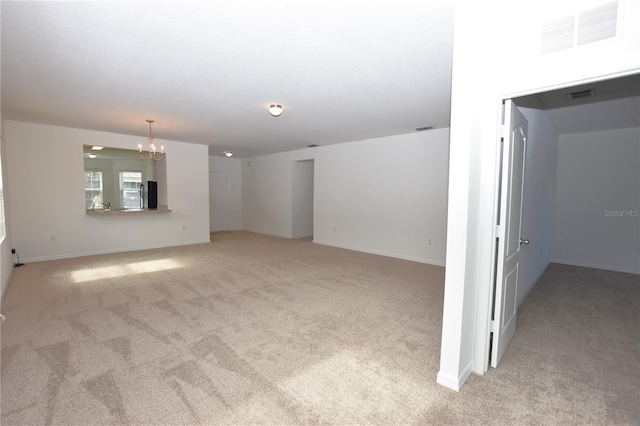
x: 597, y: 202
x: 385, y: 196
x: 6, y: 258
x: 45, y: 178
x: 538, y: 204
x: 233, y: 168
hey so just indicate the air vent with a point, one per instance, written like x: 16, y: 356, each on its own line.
x: 420, y: 129
x: 583, y: 94
x: 313, y: 145
x: 587, y: 27
x: 597, y: 24
x: 557, y: 35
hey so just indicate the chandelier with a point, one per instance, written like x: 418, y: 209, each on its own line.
x: 151, y: 154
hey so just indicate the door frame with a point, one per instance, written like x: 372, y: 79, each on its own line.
x: 211, y: 199
x: 484, y: 302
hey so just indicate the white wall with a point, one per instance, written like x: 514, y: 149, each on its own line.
x: 500, y: 43
x: 45, y: 176
x: 233, y: 168
x: 538, y: 204
x: 598, y: 200
x: 386, y: 196
x: 6, y: 258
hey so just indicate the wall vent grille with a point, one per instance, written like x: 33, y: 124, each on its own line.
x: 597, y: 24
x: 583, y: 94
x: 587, y: 27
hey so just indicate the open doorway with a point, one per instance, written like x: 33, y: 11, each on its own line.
x: 582, y: 179
x: 218, y: 201
x: 302, y: 199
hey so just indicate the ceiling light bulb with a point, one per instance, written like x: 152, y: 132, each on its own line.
x: 275, y: 110
x: 228, y: 153
x: 92, y: 156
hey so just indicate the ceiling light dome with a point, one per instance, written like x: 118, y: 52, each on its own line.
x: 275, y: 110
x: 228, y: 153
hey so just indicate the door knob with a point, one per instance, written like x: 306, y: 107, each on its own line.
x: 524, y: 241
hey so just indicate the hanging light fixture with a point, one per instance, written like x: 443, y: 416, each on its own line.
x: 275, y: 110
x: 152, y: 154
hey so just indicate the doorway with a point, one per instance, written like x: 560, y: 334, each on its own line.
x: 302, y: 199
x: 582, y: 159
x: 218, y: 201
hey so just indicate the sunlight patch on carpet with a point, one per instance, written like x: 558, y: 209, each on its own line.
x: 348, y: 389
x: 94, y: 274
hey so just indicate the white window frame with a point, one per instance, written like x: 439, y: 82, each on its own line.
x: 127, y: 199
x: 95, y: 201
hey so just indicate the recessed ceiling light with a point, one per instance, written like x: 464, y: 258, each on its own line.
x: 97, y: 148
x: 92, y: 155
x: 228, y: 153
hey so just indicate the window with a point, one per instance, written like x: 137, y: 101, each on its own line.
x: 93, y: 189
x: 130, y: 190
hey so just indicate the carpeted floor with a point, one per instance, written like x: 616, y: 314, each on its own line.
x: 263, y: 330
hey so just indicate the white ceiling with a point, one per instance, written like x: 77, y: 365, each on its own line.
x: 207, y: 71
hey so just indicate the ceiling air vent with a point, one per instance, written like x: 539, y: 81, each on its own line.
x: 582, y: 94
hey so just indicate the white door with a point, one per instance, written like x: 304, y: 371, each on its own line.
x: 218, y: 201
x: 509, y: 238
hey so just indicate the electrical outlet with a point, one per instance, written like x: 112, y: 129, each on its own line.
x: 13, y: 251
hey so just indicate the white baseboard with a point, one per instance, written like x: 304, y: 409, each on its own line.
x: 381, y: 253
x: 116, y: 250
x: 597, y: 266
x: 453, y: 382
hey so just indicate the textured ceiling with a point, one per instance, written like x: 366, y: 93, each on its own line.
x: 207, y: 71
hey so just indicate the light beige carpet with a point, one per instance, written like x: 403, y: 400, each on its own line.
x: 265, y: 330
